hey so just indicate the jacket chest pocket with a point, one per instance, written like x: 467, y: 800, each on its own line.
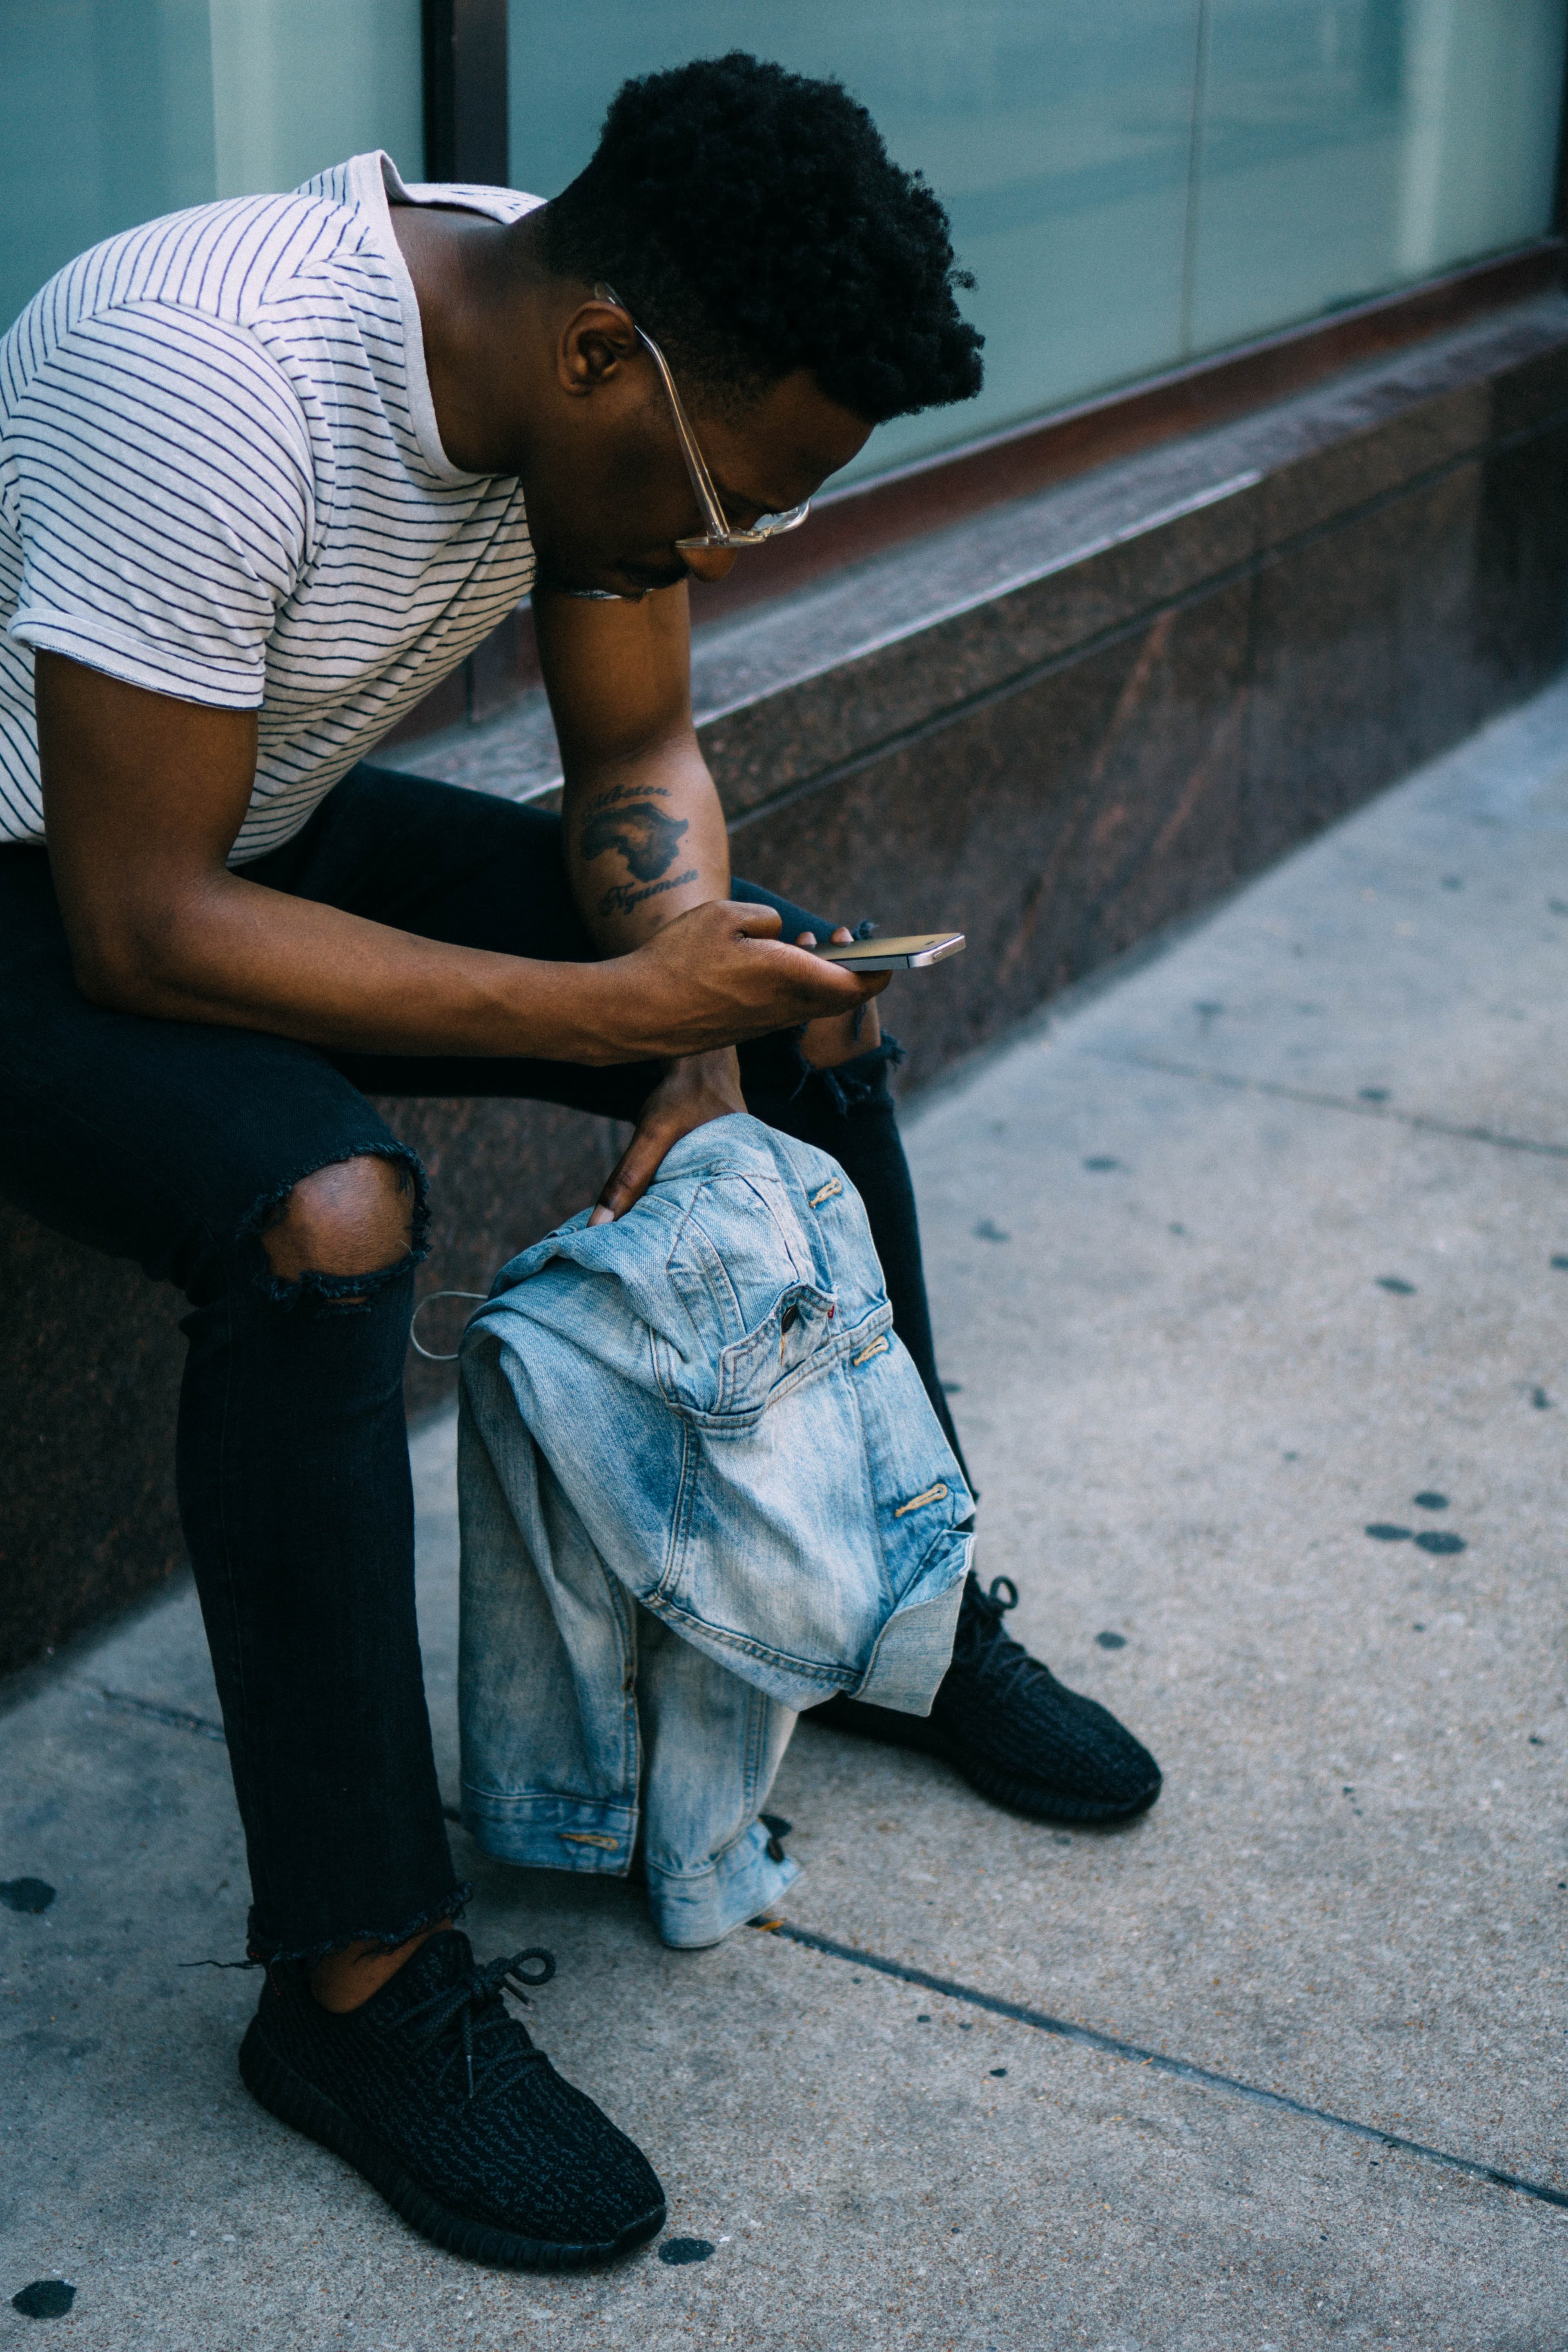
x: 803, y: 1326
x: 756, y: 1296
x: 802, y: 1329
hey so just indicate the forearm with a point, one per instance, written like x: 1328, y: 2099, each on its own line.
x: 144, y: 796
x: 216, y: 948
x: 645, y: 838
x: 226, y: 951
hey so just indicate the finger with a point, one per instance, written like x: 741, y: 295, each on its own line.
x: 843, y: 937
x: 863, y: 983
x: 855, y: 988
x: 837, y: 986
x: 632, y: 1174
x: 640, y: 1163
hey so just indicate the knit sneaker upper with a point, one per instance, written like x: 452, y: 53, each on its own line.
x: 1004, y: 1711
x: 434, y: 2067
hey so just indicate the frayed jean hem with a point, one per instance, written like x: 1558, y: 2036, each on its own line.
x: 263, y: 1950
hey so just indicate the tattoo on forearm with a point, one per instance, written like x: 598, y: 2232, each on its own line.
x: 623, y: 897
x: 646, y: 838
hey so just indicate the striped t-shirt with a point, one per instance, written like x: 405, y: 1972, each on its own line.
x: 221, y: 479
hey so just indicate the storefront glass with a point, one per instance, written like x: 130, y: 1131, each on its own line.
x: 1137, y: 183
x: 113, y: 112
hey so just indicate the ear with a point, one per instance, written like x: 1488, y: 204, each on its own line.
x: 596, y: 346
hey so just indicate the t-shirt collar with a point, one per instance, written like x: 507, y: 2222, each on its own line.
x: 378, y: 185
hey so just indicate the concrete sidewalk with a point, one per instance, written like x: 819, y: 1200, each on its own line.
x: 1251, y: 1271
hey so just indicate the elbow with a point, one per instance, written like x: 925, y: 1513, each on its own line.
x: 110, y: 975
x: 116, y: 968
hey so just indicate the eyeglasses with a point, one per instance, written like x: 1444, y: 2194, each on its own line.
x: 716, y: 531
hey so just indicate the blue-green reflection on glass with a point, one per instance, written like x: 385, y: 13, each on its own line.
x: 105, y: 120
x: 1057, y: 134
x: 113, y: 112
x: 1135, y: 181
x: 1346, y: 147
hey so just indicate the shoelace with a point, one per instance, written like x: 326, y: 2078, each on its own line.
x: 981, y: 1644
x: 475, y: 2004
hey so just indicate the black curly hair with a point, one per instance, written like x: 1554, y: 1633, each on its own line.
x: 754, y: 222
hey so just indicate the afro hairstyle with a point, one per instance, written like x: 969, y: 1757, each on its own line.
x: 754, y: 222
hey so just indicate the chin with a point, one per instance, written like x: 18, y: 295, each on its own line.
x: 642, y: 579
x: 625, y: 580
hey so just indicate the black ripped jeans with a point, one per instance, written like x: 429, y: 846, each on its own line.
x: 171, y: 1142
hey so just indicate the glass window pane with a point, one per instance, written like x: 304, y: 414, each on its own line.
x: 1058, y: 136
x: 113, y: 112
x: 105, y: 121
x: 1350, y: 146
x: 297, y: 85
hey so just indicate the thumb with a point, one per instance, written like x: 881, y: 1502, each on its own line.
x: 632, y: 1174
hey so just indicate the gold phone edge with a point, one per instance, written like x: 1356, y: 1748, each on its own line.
x: 951, y: 946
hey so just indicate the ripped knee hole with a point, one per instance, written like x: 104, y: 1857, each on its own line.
x: 351, y: 1218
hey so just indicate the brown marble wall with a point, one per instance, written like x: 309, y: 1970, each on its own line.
x: 89, y: 1382
x: 1050, y: 824
x: 1062, y: 821
x: 1060, y: 726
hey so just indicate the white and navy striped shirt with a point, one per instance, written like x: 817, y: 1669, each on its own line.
x: 221, y: 479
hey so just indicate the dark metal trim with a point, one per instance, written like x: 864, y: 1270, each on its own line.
x: 465, y: 90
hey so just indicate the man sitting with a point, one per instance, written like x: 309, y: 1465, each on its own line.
x: 272, y: 469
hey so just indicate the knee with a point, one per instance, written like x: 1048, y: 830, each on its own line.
x: 353, y: 1217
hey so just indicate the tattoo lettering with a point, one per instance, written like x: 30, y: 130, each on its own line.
x: 612, y: 794
x: 623, y: 897
x: 639, y: 830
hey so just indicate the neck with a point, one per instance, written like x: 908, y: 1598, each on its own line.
x: 484, y: 313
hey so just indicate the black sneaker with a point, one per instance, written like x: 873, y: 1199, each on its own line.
x: 436, y: 2094
x: 1014, y: 1732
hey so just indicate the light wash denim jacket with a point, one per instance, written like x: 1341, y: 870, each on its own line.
x: 701, y: 1487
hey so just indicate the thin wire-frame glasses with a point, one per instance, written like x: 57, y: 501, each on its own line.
x: 716, y: 531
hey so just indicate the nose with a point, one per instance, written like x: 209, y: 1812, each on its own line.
x: 710, y: 563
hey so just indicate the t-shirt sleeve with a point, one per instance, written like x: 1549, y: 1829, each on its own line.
x: 161, y: 483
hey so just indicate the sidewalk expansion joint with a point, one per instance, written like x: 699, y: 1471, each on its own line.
x: 1319, y: 1101
x: 1112, y: 2045
x: 177, y: 1717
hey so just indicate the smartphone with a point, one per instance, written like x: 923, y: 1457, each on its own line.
x: 910, y: 954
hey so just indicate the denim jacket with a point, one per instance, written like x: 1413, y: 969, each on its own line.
x: 701, y: 1487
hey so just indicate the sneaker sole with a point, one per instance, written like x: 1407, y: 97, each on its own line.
x: 297, y: 2103
x: 1041, y: 1803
